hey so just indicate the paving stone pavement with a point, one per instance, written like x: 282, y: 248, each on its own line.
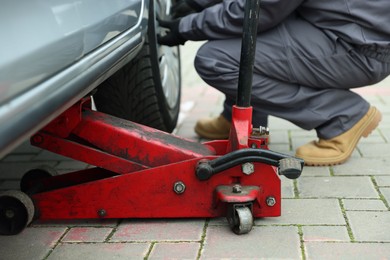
x: 339, y: 212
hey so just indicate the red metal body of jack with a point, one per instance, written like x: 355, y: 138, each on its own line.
x: 145, y: 173
x: 141, y: 172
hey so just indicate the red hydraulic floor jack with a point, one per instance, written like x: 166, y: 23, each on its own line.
x: 145, y: 173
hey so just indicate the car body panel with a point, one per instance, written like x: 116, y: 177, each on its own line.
x: 47, y: 36
x: 55, y: 52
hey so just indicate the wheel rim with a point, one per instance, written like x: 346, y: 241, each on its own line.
x: 169, y: 68
x: 169, y: 63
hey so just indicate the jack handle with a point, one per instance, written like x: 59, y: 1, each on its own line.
x: 248, y: 50
x: 291, y: 167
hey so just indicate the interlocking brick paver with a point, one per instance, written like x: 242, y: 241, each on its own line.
x: 287, y: 188
x: 86, y: 234
x: 100, y: 251
x: 315, y: 171
x: 376, y: 151
x: 281, y: 148
x: 32, y: 243
x: 15, y: 170
x: 49, y: 156
x: 307, y: 212
x: 18, y: 157
x: 10, y: 185
x: 261, y: 242
x: 218, y: 222
x: 363, y: 204
x: 179, y: 250
x: 375, y: 138
x: 383, y: 180
x: 279, y: 136
x: 299, y: 133
x: 325, y: 233
x: 336, y: 187
x: 386, y: 132
x: 386, y: 193
x: 69, y: 166
x: 154, y: 230
x: 362, y: 166
x: 26, y: 148
x: 278, y: 123
x: 370, y: 226
x: 346, y: 251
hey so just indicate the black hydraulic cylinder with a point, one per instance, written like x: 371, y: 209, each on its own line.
x: 248, y: 49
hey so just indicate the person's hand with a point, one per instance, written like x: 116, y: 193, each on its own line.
x: 172, y: 37
x: 185, y: 7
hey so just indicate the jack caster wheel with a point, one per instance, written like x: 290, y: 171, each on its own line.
x: 16, y: 212
x: 240, y: 219
x: 30, y: 182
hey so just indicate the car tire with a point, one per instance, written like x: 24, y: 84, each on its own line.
x: 147, y: 90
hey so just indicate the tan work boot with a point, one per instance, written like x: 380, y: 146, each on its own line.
x: 214, y: 128
x: 338, y: 149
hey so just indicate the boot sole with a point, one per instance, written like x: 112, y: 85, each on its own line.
x: 370, y: 125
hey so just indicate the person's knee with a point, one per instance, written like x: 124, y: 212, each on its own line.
x: 214, y: 64
x: 204, y: 60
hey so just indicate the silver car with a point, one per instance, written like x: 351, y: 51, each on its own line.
x: 53, y: 53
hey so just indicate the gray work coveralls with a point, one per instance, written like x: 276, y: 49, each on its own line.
x: 309, y: 54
